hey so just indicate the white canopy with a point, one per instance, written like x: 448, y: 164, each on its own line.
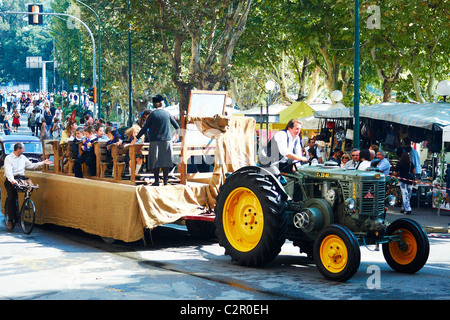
x: 423, y: 115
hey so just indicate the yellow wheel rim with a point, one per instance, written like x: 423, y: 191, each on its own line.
x: 333, y: 254
x: 243, y: 219
x: 404, y: 252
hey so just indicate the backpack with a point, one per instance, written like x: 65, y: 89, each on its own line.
x: 33, y: 119
x: 265, y: 157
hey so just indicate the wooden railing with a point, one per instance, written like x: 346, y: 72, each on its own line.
x: 115, y: 171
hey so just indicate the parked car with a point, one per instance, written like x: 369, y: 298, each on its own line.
x: 33, y: 147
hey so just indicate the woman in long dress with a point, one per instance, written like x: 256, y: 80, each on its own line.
x: 160, y: 137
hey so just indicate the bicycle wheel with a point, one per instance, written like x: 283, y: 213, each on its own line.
x: 27, y: 216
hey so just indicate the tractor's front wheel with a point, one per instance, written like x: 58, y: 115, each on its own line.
x: 409, y: 254
x: 336, y: 253
x: 249, y: 220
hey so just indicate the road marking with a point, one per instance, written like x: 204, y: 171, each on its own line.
x: 440, y: 268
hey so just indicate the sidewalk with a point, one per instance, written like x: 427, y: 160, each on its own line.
x: 427, y: 217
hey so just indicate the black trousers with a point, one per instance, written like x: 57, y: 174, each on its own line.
x: 89, y: 159
x: 11, y: 203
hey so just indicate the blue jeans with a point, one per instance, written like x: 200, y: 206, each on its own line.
x: 406, y: 190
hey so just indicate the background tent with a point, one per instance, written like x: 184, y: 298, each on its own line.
x: 430, y: 116
x: 279, y: 115
x: 337, y: 111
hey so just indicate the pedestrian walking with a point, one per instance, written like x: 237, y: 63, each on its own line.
x: 405, y: 172
x: 16, y: 120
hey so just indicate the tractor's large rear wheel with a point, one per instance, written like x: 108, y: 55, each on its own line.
x: 249, y: 219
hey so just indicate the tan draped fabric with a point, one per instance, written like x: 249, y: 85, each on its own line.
x: 122, y: 211
x: 235, y: 146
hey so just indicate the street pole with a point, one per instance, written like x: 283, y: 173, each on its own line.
x: 68, y: 63
x: 79, y: 71
x: 356, y: 76
x: 44, y: 77
x: 130, y: 75
x: 99, y: 91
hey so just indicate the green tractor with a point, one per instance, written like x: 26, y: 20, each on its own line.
x: 326, y: 211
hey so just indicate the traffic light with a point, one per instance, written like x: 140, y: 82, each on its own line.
x: 93, y: 94
x: 34, y: 19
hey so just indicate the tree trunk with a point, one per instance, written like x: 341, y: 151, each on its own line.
x: 417, y: 88
x: 387, y: 90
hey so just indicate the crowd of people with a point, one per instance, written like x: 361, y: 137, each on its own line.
x: 405, y: 170
x: 153, y: 127
x: 47, y: 122
x: 43, y: 118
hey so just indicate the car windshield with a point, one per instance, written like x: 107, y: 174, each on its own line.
x: 30, y: 147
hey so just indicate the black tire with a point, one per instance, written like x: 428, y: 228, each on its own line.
x: 342, y: 243
x: 27, y: 216
x: 411, y: 254
x: 250, y: 222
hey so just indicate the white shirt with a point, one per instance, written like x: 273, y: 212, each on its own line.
x: 286, y: 148
x: 58, y: 114
x: 15, y: 166
x: 364, y: 165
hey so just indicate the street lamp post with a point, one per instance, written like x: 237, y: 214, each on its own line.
x: 70, y: 16
x: 356, y: 76
x: 99, y: 59
x: 130, y: 74
x: 443, y: 89
x: 270, y: 85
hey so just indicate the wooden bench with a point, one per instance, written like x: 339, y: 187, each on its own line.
x: 48, y: 151
x: 118, y: 154
x: 132, y: 152
x: 68, y: 147
x: 100, y: 154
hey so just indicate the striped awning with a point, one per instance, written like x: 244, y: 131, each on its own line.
x: 338, y: 113
x: 423, y: 115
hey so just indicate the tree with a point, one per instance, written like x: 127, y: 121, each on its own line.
x: 412, y: 41
x: 198, y: 39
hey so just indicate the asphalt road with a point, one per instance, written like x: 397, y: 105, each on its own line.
x: 55, y: 263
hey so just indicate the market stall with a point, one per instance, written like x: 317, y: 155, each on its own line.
x: 392, y: 126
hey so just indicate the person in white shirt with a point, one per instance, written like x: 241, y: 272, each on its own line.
x: 15, y: 165
x: 284, y: 150
x: 59, y: 114
x: 364, y: 160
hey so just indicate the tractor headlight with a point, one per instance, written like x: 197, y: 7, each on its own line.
x: 390, y: 200
x: 349, y: 204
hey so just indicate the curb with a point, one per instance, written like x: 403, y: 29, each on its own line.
x: 439, y: 230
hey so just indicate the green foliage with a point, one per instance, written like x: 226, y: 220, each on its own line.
x: 17, y: 42
x: 306, y: 46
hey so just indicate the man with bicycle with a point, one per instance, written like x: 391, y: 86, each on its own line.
x: 15, y: 165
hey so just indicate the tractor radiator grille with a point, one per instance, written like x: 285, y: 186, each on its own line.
x: 372, y: 198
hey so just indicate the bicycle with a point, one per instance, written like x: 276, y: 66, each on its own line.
x: 27, y: 213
